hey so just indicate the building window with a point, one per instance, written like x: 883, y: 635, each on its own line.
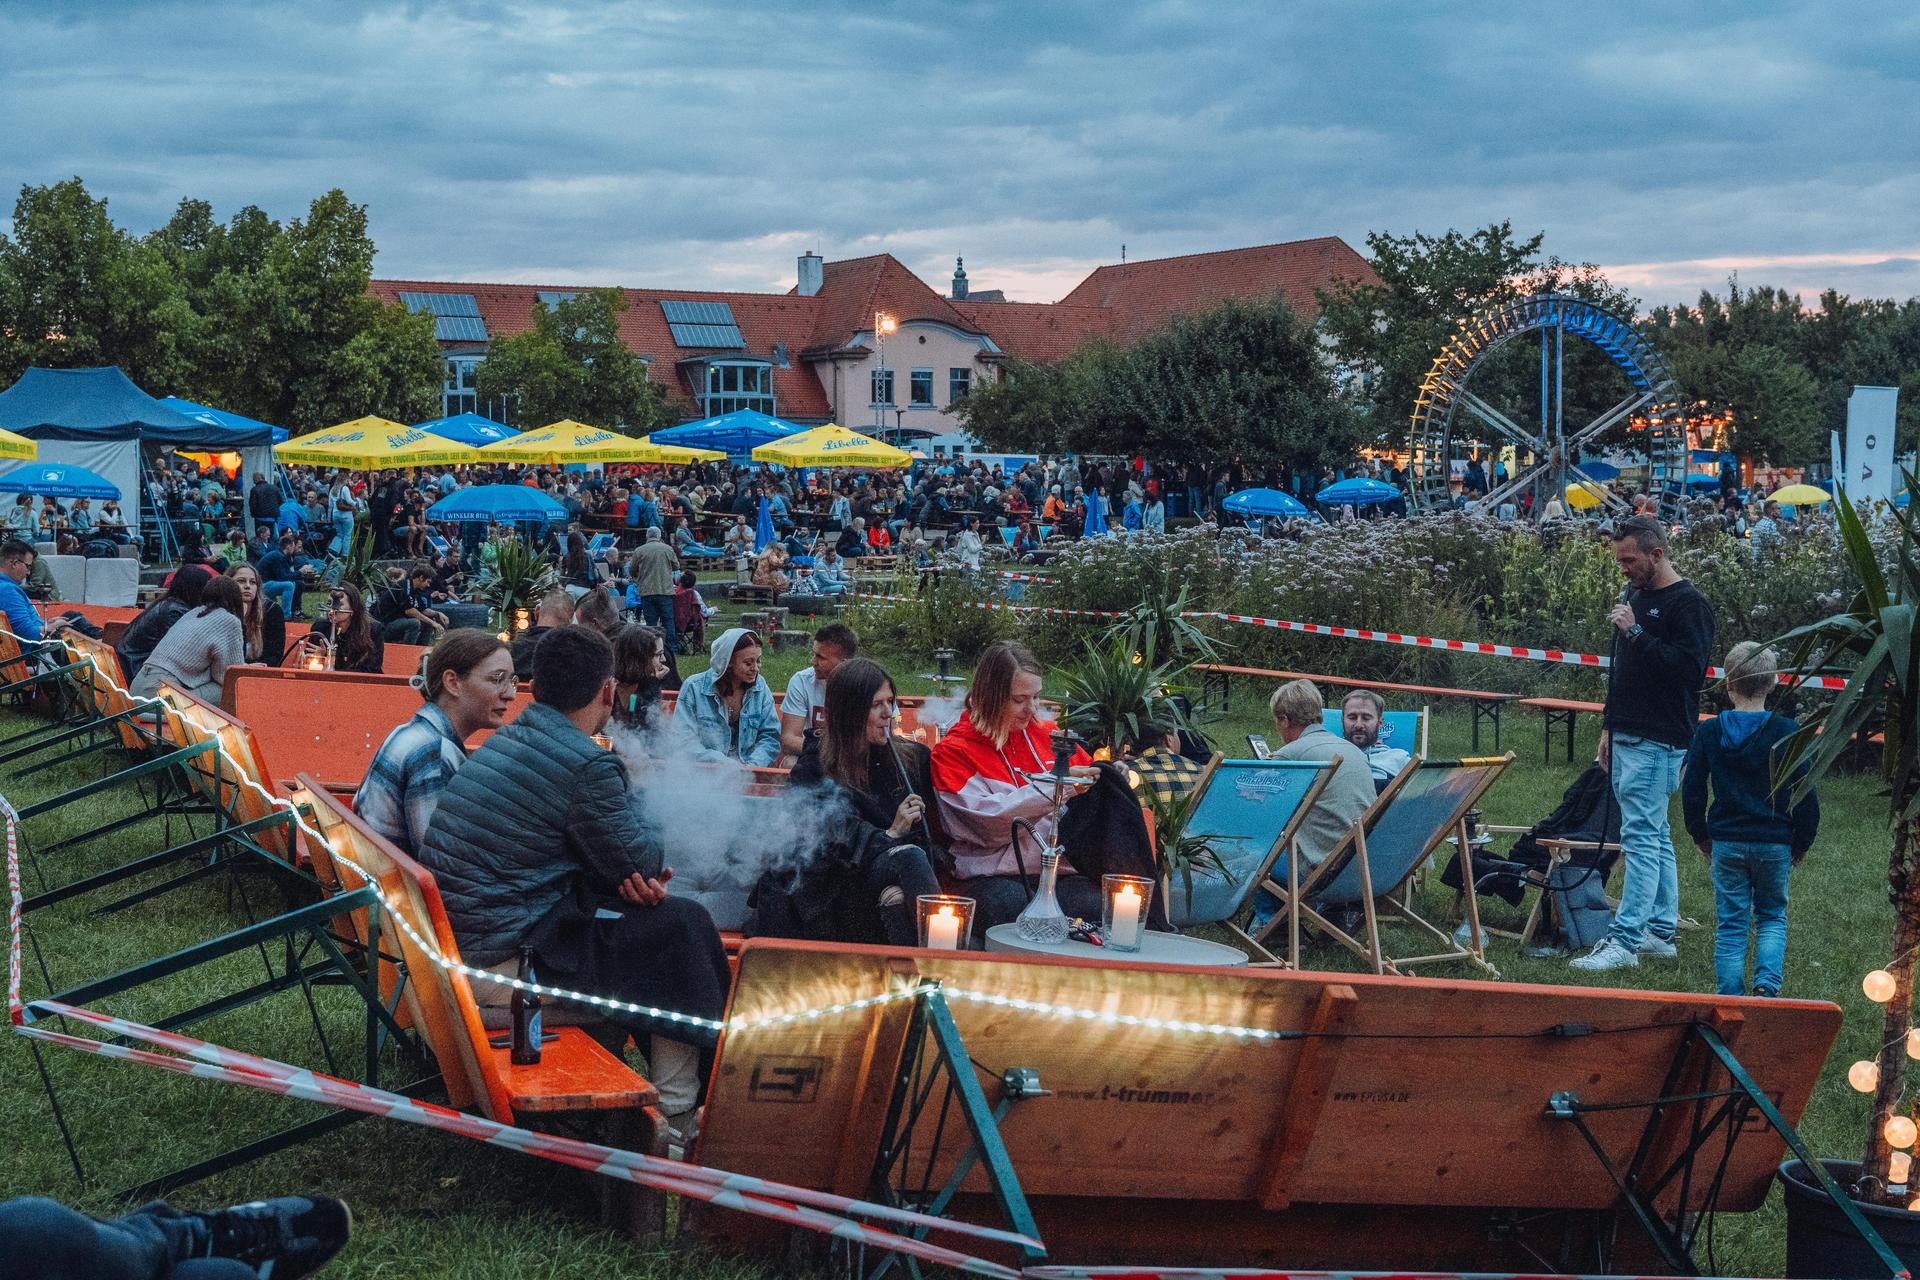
x: 920, y: 388
x: 734, y: 385
x: 959, y: 382
x: 457, y: 392
x: 883, y: 386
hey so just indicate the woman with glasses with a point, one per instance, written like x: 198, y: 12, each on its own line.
x: 356, y: 645
x: 469, y: 686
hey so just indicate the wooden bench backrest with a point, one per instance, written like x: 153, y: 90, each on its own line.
x: 106, y: 682
x: 439, y: 1001
x: 227, y: 773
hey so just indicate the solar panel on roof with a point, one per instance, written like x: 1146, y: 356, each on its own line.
x: 679, y: 311
x: 459, y: 329
x: 707, y: 335
x: 442, y: 304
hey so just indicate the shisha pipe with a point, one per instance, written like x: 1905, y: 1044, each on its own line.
x: 893, y: 749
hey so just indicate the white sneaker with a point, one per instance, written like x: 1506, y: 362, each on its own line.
x: 1657, y: 948
x: 1606, y: 954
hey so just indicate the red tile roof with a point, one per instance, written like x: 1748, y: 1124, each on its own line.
x: 1122, y: 302
x: 1145, y: 295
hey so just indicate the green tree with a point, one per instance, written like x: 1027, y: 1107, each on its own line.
x: 574, y: 364
x: 1743, y: 351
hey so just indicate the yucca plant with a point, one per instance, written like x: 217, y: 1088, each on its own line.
x: 1156, y: 631
x: 357, y: 565
x: 1880, y: 633
x: 521, y: 575
x: 1114, y: 697
x: 1177, y: 850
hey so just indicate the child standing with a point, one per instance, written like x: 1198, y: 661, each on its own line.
x: 1753, y: 834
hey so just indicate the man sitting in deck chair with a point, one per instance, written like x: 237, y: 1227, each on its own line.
x: 536, y: 847
x: 1362, y: 712
x: 1297, y: 707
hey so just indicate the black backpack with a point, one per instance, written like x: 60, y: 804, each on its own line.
x: 100, y: 549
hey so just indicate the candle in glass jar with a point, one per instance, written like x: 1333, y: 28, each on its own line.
x: 943, y: 930
x: 1126, y: 918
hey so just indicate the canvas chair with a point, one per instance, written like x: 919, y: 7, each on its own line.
x: 1250, y: 810
x: 1404, y: 729
x: 1427, y: 802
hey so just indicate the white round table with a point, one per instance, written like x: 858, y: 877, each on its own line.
x: 1155, y: 948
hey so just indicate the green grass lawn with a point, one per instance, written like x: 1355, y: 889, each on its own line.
x: 432, y: 1205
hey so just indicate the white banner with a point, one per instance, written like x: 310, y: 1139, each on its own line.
x: 1870, y: 472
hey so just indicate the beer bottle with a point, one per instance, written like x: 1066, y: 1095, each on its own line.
x: 526, y: 1016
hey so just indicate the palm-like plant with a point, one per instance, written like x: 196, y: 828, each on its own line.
x: 1880, y: 632
x: 1177, y: 850
x: 521, y: 575
x: 1156, y: 630
x: 1115, y: 697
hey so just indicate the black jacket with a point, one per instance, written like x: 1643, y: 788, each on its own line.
x: 146, y: 631
x: 1654, y: 689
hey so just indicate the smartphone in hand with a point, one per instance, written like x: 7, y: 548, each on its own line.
x: 1257, y: 743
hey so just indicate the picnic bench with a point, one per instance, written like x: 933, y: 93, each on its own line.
x: 578, y: 1079
x: 1486, y: 703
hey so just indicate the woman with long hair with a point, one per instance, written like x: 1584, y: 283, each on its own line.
x: 197, y: 650
x: 265, y: 625
x: 357, y: 646
x: 885, y: 834
x: 770, y: 570
x: 183, y: 592
x: 984, y: 771
x: 575, y: 566
x: 727, y: 710
x: 597, y: 610
x: 468, y: 685
x: 639, y: 675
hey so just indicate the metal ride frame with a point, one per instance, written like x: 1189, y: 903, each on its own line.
x: 1653, y: 394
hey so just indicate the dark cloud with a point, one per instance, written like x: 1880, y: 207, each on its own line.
x: 705, y: 144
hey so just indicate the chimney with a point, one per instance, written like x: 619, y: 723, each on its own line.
x: 959, y: 279
x: 812, y: 274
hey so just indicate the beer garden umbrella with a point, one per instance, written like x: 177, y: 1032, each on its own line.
x: 1271, y: 504
x: 17, y: 447
x: 58, y: 480
x: 371, y: 443
x: 567, y: 441
x: 831, y: 446
x: 1358, y: 491
x: 1800, y: 495
x: 497, y: 504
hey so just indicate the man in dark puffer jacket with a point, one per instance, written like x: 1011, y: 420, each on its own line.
x: 534, y: 845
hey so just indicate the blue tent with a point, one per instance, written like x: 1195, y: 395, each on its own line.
x: 468, y: 429
x: 502, y: 503
x: 1267, y: 503
x: 737, y: 434
x: 222, y: 419
x: 100, y: 404
x: 57, y: 480
x: 1357, y: 491
x: 763, y: 536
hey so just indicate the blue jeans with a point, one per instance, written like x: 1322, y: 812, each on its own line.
x: 1750, y: 880
x: 285, y: 592
x: 342, y: 533
x: 657, y: 611
x: 1645, y: 776
x: 44, y: 1240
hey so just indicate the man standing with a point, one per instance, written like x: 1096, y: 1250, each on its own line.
x: 1664, y: 634
x: 1361, y: 714
x: 652, y: 569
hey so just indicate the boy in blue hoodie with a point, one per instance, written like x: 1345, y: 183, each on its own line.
x: 1753, y: 834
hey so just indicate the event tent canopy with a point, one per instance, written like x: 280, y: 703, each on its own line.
x: 737, y: 434
x: 223, y: 419
x: 468, y: 429
x: 103, y: 404
x: 831, y: 446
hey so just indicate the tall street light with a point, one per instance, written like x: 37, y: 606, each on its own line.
x: 883, y: 324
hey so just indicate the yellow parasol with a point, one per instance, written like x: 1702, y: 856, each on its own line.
x: 831, y: 446
x: 1800, y: 495
x: 373, y: 442
x: 1585, y: 495
x: 17, y: 448
x: 570, y: 441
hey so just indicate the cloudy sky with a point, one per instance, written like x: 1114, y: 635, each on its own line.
x: 705, y: 145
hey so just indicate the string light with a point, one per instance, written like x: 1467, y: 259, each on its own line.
x: 1899, y: 1131
x: 1913, y: 1043
x: 1900, y: 1167
x: 1864, y: 1076
x: 1878, y: 986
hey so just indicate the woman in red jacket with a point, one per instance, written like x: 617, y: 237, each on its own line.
x: 982, y: 774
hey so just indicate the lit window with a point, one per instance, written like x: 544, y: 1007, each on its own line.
x: 920, y: 388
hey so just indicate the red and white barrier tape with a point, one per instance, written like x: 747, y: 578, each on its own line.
x: 15, y: 1013
x: 1476, y: 647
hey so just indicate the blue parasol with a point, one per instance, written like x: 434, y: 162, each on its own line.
x: 468, y: 429
x: 497, y: 503
x: 763, y: 527
x: 1358, y: 491
x: 736, y: 434
x: 59, y: 480
x: 1270, y: 504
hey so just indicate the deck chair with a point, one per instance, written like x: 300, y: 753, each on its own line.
x: 1249, y: 811
x: 1399, y: 832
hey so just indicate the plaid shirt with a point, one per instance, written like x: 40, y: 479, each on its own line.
x: 406, y: 776
x: 1168, y: 774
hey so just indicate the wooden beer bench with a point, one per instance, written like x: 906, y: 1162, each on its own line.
x: 1486, y: 703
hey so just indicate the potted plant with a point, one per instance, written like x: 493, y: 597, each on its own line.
x: 519, y: 577
x: 1180, y: 854
x: 1115, y: 698
x: 1880, y: 633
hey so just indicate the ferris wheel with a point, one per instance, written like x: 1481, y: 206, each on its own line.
x: 1544, y: 453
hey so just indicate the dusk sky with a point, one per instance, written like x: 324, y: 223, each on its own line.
x: 705, y: 145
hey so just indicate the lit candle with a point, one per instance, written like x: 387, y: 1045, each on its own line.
x: 1126, y: 918
x: 316, y: 663
x: 943, y: 930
